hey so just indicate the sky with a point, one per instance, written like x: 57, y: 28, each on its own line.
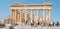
x: 5, y: 7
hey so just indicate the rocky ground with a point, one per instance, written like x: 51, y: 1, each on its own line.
x: 33, y: 27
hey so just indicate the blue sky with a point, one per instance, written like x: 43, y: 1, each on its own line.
x: 5, y: 8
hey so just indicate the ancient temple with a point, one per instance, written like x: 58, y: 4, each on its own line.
x: 25, y: 13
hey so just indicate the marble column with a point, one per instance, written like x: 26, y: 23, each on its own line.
x: 32, y: 16
x: 49, y: 15
x: 20, y: 16
x: 44, y: 15
x: 14, y: 14
x: 37, y: 14
x: 26, y: 15
x: 12, y: 11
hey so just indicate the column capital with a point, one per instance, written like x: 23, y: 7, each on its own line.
x: 32, y: 9
x: 49, y: 9
x: 13, y: 10
x: 26, y: 9
x: 44, y: 9
x: 38, y: 9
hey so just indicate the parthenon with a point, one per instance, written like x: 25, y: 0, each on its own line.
x: 25, y: 13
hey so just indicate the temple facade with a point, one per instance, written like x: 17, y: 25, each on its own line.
x: 25, y: 13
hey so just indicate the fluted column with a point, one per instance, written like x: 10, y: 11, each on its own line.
x: 44, y: 15
x: 26, y: 15
x: 37, y: 15
x: 20, y: 16
x: 49, y: 15
x: 15, y: 15
x: 12, y: 14
x: 32, y: 16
